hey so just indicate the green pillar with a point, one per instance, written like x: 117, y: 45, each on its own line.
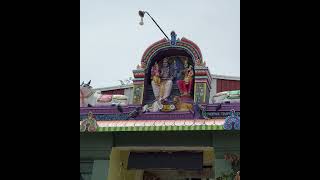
x: 100, y: 170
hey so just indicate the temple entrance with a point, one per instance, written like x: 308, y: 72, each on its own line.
x: 161, y: 163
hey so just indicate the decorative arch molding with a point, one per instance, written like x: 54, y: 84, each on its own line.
x: 184, y: 44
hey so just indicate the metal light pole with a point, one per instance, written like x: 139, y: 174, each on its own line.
x: 141, y: 14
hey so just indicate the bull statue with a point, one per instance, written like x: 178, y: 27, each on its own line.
x: 94, y: 98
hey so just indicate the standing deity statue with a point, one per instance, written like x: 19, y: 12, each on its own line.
x: 185, y: 85
x: 155, y: 74
x: 162, y: 86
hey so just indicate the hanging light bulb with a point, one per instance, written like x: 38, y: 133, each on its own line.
x: 141, y: 22
x: 141, y: 14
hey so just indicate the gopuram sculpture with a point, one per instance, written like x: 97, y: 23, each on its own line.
x: 161, y: 81
x: 185, y: 85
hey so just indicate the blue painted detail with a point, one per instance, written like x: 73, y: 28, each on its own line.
x: 232, y: 121
x: 173, y: 40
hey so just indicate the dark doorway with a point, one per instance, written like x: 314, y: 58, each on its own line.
x: 166, y: 160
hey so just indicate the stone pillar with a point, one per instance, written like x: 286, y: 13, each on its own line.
x: 100, y: 170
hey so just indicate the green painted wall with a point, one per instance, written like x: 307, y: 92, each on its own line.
x: 95, y: 146
x: 221, y: 166
x: 100, y: 170
x: 86, y: 169
x: 224, y: 142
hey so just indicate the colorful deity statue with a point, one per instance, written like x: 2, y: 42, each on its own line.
x: 155, y: 74
x: 185, y: 85
x: 162, y: 90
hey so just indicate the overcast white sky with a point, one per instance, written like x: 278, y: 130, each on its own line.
x: 112, y: 41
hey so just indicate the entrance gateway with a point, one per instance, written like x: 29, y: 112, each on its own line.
x: 169, y: 130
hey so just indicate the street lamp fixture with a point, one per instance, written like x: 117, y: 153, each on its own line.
x: 141, y: 14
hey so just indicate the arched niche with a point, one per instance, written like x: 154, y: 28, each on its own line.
x: 156, y: 52
x: 177, y: 58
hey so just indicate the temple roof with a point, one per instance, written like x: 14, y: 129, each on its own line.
x: 210, y: 117
x: 112, y: 113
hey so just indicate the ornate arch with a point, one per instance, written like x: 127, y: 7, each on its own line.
x: 171, y: 48
x: 183, y: 44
